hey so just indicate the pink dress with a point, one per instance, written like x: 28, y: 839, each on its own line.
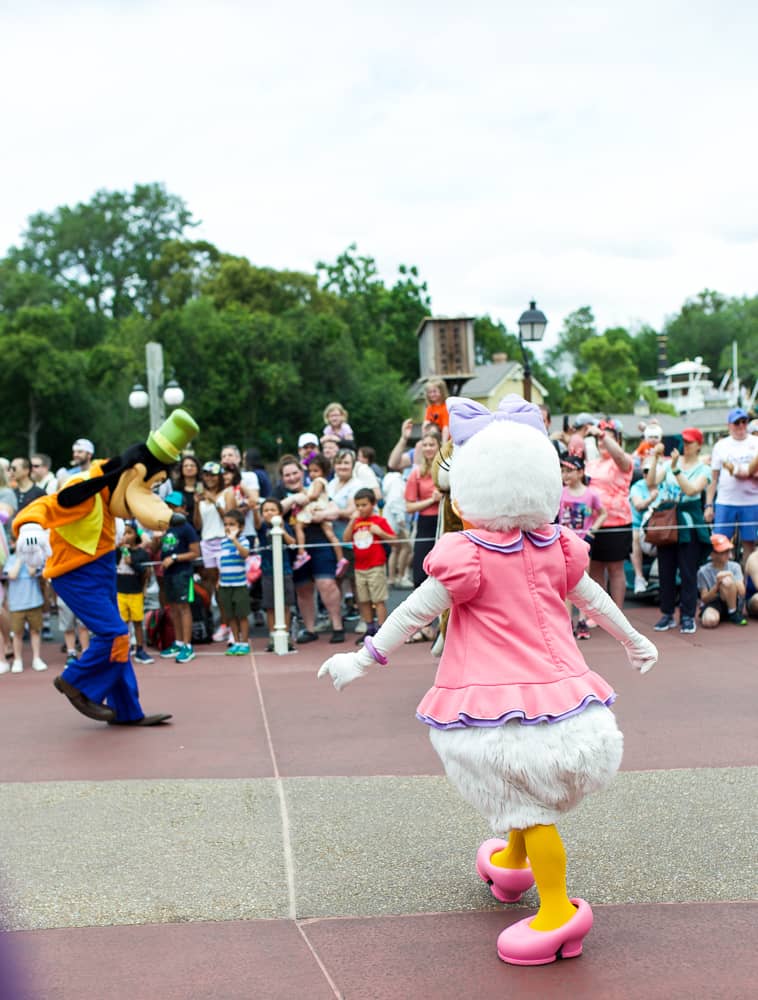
x: 509, y: 649
x: 520, y: 722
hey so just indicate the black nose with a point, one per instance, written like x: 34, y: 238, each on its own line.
x: 177, y: 519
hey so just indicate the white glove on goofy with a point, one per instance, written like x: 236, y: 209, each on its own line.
x: 594, y: 602
x: 422, y: 607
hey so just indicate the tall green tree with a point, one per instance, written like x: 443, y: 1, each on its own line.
x: 103, y: 251
x: 566, y: 356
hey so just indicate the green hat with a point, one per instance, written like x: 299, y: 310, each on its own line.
x: 167, y: 443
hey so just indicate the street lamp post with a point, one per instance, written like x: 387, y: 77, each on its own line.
x: 531, y: 328
x: 157, y: 396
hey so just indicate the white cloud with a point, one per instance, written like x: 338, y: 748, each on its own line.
x: 586, y: 154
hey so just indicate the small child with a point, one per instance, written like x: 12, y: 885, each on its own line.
x: 436, y: 408
x: 367, y: 531
x: 180, y: 547
x: 132, y: 573
x: 263, y: 518
x: 233, y: 596
x: 581, y: 510
x: 25, y: 606
x: 319, y: 469
x: 72, y: 628
x: 335, y: 416
x: 721, y: 585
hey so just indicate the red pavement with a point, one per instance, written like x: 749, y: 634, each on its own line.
x: 651, y: 951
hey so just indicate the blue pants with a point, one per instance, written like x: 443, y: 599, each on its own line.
x: 104, y: 670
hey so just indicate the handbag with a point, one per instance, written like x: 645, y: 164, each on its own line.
x: 661, y: 527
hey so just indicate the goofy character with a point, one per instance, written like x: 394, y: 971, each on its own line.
x: 82, y: 567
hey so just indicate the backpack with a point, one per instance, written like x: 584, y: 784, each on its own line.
x: 202, y: 618
x: 159, y: 628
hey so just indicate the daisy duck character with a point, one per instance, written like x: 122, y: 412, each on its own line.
x: 523, y: 727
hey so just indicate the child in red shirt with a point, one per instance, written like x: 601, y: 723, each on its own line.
x: 367, y: 531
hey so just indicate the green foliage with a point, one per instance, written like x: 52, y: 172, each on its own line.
x: 566, y: 356
x: 610, y: 379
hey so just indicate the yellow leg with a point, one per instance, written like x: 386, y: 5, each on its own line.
x: 548, y: 860
x: 514, y: 855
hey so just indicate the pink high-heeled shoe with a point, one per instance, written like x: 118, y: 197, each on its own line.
x: 520, y: 944
x: 506, y: 884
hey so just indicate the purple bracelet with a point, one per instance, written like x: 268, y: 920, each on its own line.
x: 374, y: 652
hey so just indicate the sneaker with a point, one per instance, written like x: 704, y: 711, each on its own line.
x: 403, y: 583
x: 581, y: 631
x: 306, y: 636
x: 18, y: 667
x: 665, y: 623
x: 241, y: 649
x: 350, y: 614
x: 342, y: 567
x: 221, y: 634
x: 142, y: 657
x: 300, y: 560
x: 70, y: 657
x: 4, y: 666
x: 185, y: 654
x: 231, y: 650
x: 322, y: 624
x: 46, y: 634
x: 687, y: 625
x: 361, y: 627
x: 338, y: 635
x: 38, y: 664
x: 736, y: 618
x: 640, y: 584
x: 170, y: 652
x: 590, y: 623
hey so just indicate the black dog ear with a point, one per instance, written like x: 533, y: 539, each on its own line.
x: 72, y: 496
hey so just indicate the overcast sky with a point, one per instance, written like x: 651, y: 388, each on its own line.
x: 580, y: 154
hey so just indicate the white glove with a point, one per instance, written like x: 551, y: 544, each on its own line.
x: 595, y: 602
x: 346, y: 667
x: 29, y: 535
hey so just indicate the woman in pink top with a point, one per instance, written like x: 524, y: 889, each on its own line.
x: 522, y: 725
x: 422, y: 498
x: 610, y: 476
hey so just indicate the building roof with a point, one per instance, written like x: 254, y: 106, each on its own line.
x: 486, y: 379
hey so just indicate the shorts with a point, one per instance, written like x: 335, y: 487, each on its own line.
x: 322, y: 564
x: 210, y: 549
x: 234, y: 602
x: 371, y: 585
x: 719, y: 604
x: 612, y: 544
x: 131, y: 607
x: 267, y: 587
x: 177, y: 586
x: 31, y: 615
x: 728, y: 516
x: 67, y: 620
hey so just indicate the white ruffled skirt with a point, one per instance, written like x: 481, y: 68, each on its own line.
x: 518, y: 776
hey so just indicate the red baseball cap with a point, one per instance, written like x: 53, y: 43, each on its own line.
x: 692, y: 434
x: 721, y: 543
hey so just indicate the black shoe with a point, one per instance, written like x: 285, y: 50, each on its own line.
x: 146, y: 720
x: 338, y: 635
x: 737, y: 618
x: 83, y: 704
x: 306, y: 636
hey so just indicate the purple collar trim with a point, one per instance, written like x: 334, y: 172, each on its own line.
x: 543, y: 537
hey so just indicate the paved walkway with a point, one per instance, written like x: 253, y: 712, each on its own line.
x: 280, y: 840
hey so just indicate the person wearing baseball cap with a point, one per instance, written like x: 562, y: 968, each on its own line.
x: 307, y: 445
x: 82, y: 453
x: 681, y: 480
x: 732, y: 497
x: 721, y: 585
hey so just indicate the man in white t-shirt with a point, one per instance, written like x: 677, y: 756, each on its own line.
x: 732, y: 495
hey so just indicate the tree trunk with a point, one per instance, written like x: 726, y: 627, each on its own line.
x: 34, y: 425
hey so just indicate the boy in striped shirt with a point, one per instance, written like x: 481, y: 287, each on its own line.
x: 233, y: 597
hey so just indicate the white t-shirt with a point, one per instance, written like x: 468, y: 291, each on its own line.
x: 250, y: 482
x: 365, y: 476
x: 733, y: 491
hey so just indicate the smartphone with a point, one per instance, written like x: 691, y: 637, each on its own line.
x: 671, y: 441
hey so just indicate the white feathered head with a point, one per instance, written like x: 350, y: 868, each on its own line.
x: 504, y: 472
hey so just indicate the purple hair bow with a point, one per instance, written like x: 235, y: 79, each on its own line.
x: 468, y: 417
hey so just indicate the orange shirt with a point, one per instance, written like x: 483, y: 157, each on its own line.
x: 436, y: 413
x: 78, y: 535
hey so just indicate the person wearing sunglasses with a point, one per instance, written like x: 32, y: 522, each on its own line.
x: 42, y: 475
x: 731, y: 499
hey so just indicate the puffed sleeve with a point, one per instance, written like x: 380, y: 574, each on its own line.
x: 576, y: 554
x: 454, y: 561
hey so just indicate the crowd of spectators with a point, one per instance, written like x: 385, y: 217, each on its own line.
x: 330, y: 491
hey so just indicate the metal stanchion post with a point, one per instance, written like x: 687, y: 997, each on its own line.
x: 281, y: 637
